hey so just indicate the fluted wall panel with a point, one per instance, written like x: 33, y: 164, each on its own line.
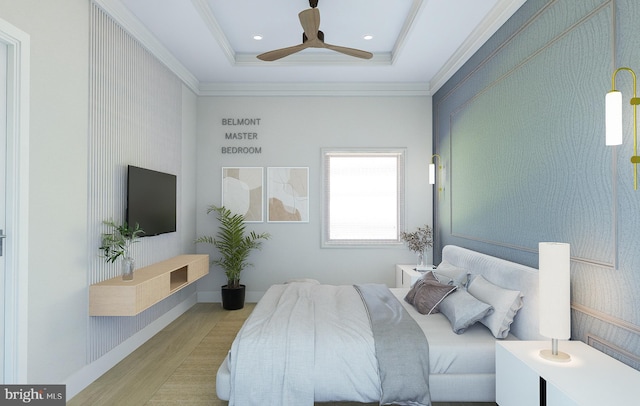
x: 135, y: 119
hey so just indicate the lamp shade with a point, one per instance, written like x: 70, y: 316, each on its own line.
x: 555, y: 290
x: 432, y: 174
x: 613, y: 118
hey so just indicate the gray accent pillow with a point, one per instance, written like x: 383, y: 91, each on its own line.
x: 429, y: 295
x: 414, y: 289
x: 452, y: 275
x: 463, y: 310
x: 505, y: 302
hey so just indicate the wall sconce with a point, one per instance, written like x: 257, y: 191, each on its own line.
x: 555, y: 297
x: 432, y: 170
x: 613, y: 120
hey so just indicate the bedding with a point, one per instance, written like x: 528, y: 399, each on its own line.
x: 451, y: 353
x: 401, y: 348
x: 427, y: 294
x: 505, y: 304
x: 452, y: 275
x: 463, y: 310
x: 461, y: 343
x: 306, y: 342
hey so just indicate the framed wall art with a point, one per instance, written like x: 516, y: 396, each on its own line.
x: 288, y: 194
x: 243, y: 192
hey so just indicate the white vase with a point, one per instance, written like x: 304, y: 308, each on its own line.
x: 128, y: 265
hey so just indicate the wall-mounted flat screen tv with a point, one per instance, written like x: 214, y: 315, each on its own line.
x: 151, y: 200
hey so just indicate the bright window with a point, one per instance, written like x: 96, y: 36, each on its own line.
x: 363, y: 197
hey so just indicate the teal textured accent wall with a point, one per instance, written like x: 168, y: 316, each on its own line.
x: 520, y: 129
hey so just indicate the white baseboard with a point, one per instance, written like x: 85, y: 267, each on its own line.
x: 216, y: 297
x: 85, y: 376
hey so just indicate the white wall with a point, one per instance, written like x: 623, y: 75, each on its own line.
x: 57, y: 305
x: 58, y: 230
x: 292, y: 132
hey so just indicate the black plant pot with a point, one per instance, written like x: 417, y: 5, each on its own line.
x: 232, y: 298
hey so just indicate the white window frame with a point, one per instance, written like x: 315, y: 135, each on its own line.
x: 327, y: 154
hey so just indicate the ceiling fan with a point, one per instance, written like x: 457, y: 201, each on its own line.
x: 312, y: 38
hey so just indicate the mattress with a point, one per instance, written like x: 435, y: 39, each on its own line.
x: 472, y: 352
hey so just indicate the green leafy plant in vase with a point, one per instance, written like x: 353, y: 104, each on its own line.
x: 234, y: 245
x: 117, y: 243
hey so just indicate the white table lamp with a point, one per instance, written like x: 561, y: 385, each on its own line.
x: 555, y: 297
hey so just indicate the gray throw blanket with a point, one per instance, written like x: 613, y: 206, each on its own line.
x: 401, y: 348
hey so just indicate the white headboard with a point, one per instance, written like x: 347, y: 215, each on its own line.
x: 506, y: 274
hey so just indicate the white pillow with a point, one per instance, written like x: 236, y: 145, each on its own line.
x: 463, y: 310
x: 505, y: 303
x: 451, y: 275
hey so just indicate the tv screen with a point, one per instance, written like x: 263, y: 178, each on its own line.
x: 151, y: 200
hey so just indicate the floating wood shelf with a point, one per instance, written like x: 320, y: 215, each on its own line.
x: 151, y: 284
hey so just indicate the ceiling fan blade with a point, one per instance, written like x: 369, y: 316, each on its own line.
x: 310, y: 21
x: 358, y: 53
x: 313, y: 38
x: 281, y: 53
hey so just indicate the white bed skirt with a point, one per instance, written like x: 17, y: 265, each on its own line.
x: 444, y: 387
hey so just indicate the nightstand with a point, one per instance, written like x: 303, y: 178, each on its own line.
x: 591, y: 378
x: 406, y: 275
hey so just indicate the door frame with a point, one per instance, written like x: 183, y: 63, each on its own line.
x: 17, y: 204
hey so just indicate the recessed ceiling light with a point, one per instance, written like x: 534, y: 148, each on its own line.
x: 257, y: 37
x: 368, y: 37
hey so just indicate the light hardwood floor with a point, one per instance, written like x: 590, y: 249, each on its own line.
x: 178, y: 365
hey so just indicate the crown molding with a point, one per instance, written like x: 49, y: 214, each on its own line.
x: 317, y: 58
x: 132, y: 25
x: 138, y: 31
x: 236, y: 59
x: 203, y: 9
x: 500, y: 13
x: 314, y: 89
x: 416, y: 7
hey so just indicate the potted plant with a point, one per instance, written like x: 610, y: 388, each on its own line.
x: 117, y: 244
x: 234, y: 246
x: 419, y: 241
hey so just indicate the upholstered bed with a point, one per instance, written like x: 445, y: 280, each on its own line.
x: 329, y: 344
